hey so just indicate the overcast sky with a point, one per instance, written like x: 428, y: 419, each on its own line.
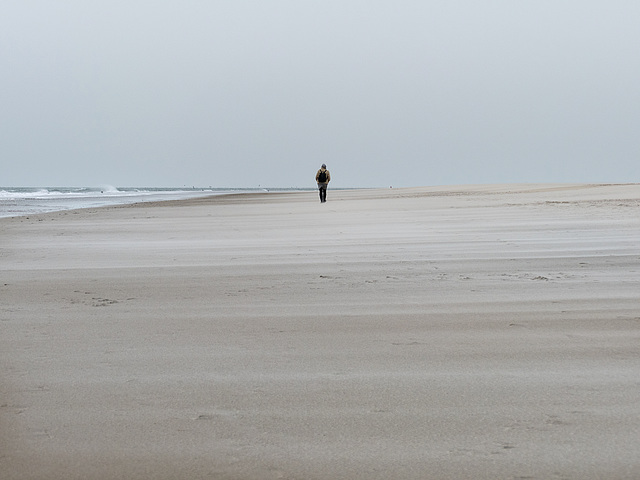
x: 241, y: 93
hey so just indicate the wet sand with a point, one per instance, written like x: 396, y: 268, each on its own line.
x: 481, y: 332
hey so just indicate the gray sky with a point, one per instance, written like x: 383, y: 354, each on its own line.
x: 261, y: 92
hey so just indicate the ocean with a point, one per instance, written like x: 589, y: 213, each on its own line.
x: 24, y: 201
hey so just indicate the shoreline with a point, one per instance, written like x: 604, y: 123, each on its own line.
x: 24, y: 201
x: 487, y: 331
x: 236, y: 195
x: 390, y: 192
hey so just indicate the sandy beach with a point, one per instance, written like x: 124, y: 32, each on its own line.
x: 482, y: 332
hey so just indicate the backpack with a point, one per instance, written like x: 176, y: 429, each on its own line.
x: 322, y: 177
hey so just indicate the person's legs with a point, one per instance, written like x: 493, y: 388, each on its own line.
x: 323, y: 193
x: 320, y: 192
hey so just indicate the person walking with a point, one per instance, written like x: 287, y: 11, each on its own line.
x: 323, y: 177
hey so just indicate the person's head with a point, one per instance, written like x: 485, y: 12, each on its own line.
x: 324, y: 166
